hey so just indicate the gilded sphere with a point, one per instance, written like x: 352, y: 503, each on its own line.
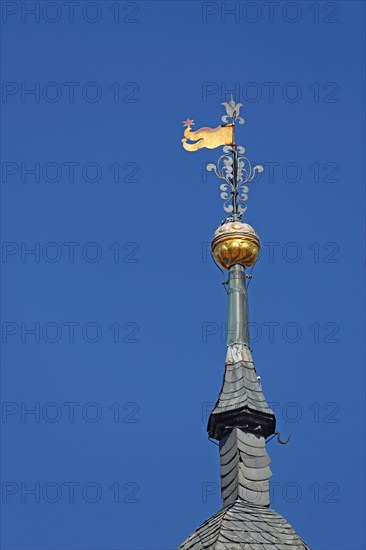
x: 235, y: 243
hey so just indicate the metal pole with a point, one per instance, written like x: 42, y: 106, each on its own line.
x: 235, y: 168
x: 237, y: 320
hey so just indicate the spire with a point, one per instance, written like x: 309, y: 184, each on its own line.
x: 241, y: 419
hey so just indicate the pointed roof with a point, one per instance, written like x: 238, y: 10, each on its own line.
x: 241, y: 396
x: 245, y: 522
x: 241, y: 386
x: 244, y: 526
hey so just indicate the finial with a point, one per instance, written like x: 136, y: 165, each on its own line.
x: 232, y: 111
x: 233, y: 168
x: 234, y: 243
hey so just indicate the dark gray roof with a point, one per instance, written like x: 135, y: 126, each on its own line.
x: 244, y: 468
x: 240, y: 421
x: 241, y: 387
x: 244, y: 526
x: 245, y: 522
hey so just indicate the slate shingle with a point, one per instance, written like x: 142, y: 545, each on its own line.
x: 244, y: 526
x: 240, y: 387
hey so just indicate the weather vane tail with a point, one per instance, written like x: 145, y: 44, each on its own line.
x: 233, y: 168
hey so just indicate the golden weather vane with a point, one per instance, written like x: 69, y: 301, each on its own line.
x: 233, y: 168
x: 207, y: 137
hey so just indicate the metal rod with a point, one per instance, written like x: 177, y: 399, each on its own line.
x: 237, y: 321
x: 235, y: 169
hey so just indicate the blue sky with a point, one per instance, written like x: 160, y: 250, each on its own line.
x: 127, y: 309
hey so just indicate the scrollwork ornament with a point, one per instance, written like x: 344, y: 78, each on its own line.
x: 234, y: 186
x: 233, y: 168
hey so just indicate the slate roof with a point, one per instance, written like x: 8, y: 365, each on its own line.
x: 240, y: 386
x: 244, y: 526
x: 244, y: 468
x: 245, y: 522
x: 241, y: 401
x: 241, y: 420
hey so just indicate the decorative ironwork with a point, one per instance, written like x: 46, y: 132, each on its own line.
x: 234, y: 190
x: 233, y: 168
x: 232, y: 112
